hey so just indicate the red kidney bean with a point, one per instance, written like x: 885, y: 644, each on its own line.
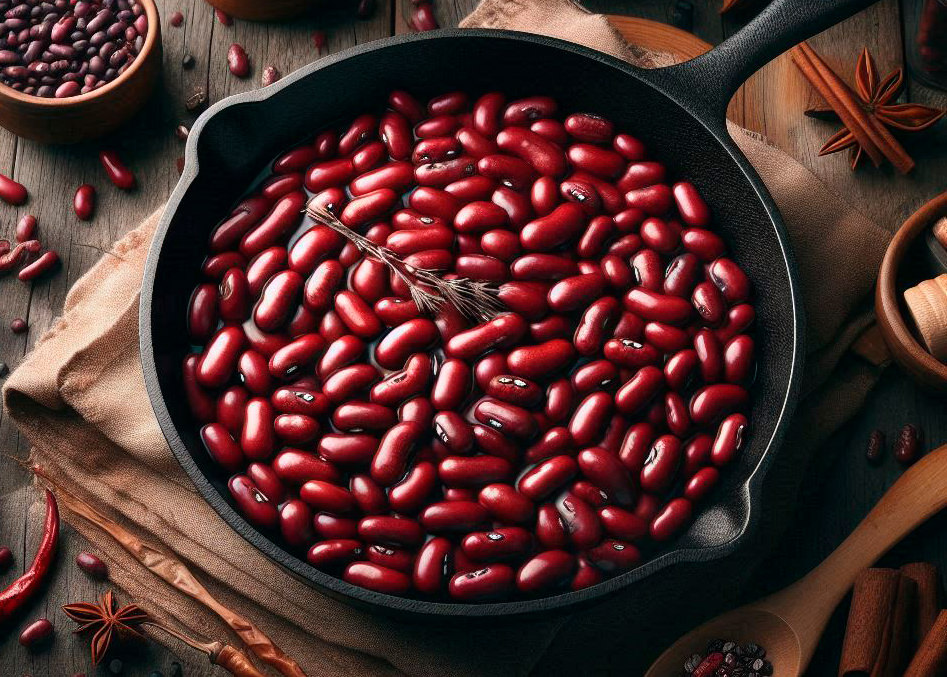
x: 454, y: 432
x: 510, y: 171
x: 595, y: 375
x: 590, y: 418
x: 576, y: 292
x: 264, y: 266
x: 200, y: 403
x: 704, y: 244
x: 393, y: 176
x: 340, y: 353
x: 514, y: 390
x: 368, y: 207
x: 603, y: 469
x: 592, y: 330
x: 473, y: 471
x: 593, y: 240
x: 439, y: 125
x: 509, y: 419
x: 237, y: 61
x: 407, y: 105
x: 440, y: 174
x: 394, y: 311
x: 595, y: 160
x: 371, y: 498
x: 452, y: 385
x: 636, y: 446
x: 580, y: 521
x: 253, y: 505
x: 535, y: 362
x: 258, y: 438
x: 715, y: 401
x: 589, y: 128
x: 671, y: 519
x: 279, y: 186
x: 550, y: 531
x: 253, y: 372
x: 612, y: 556
x: 622, y: 524
x: 477, y: 217
x: 395, y: 132
x: 524, y: 111
x: 411, y: 494
x: 545, y: 571
x: 544, y: 195
x: 543, y: 155
x: 617, y: 272
x: 221, y: 447
x: 471, y: 188
x: 300, y: 353
x: 516, y: 205
x: 489, y: 441
x: 697, y: 453
x: 411, y: 337
x: 348, y: 449
x: 551, y: 129
x: 560, y: 399
x: 501, y: 331
x: 490, y: 582
x: 481, y: 267
x: 334, y: 174
x: 12, y: 192
x: 295, y: 521
x: 505, y: 504
x: 701, y: 484
x: 730, y: 280
x: 315, y: 245
x: 641, y: 175
x: 585, y: 576
x: 487, y: 111
x: 36, y: 633
x: 282, y: 220
x: 322, y: 495
x: 354, y: 416
x: 453, y: 516
x: 320, y: 287
x: 295, y: 400
x: 730, y: 438
x: 690, y: 205
x: 394, y: 452
x: 548, y: 232
x: 431, y: 565
x: 436, y: 149
x: 400, y: 386
x: 679, y: 369
x: 296, y: 428
x: 487, y: 367
x: 498, y: 545
x: 234, y: 296
x: 278, y: 300
x: 612, y: 200
x: 678, y: 419
x: 652, y: 305
x: 26, y: 228
x: 629, y: 147
x: 738, y: 359
x: 654, y: 200
x: 119, y: 174
x: 547, y: 477
x: 363, y: 128
x: 739, y: 319
x: 336, y: 552
x: 666, y: 338
x: 219, y: 360
x: 267, y: 481
x: 419, y: 410
x: 543, y: 267
x: 662, y: 464
x: 549, y: 328
x: 710, y: 354
x: 589, y: 493
x: 709, y: 303
x: 202, y: 313
x: 474, y: 143
x: 629, y: 326
x: 332, y: 527
x: 681, y: 275
x: 230, y: 408
x: 83, y: 202
x: 646, y: 268
x: 629, y: 353
x: 357, y: 315
x: 376, y: 577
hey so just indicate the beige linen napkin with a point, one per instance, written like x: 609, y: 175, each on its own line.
x: 79, y: 397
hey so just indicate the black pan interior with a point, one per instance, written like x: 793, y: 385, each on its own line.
x: 240, y: 136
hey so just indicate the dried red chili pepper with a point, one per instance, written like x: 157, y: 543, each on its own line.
x: 22, y: 589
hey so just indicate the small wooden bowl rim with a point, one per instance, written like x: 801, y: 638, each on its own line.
x: 151, y: 11
x: 904, y: 347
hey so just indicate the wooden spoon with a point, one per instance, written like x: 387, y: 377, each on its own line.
x: 789, y: 623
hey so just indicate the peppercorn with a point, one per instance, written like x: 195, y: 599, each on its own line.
x: 19, y: 325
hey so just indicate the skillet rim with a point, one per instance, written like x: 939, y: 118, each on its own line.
x: 663, y: 80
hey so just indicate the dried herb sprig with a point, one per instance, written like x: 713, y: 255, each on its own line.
x: 475, y: 300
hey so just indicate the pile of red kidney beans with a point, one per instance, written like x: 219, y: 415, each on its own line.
x: 541, y: 451
x: 62, y: 48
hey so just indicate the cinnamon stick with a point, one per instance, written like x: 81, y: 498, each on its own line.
x: 875, y: 140
x: 927, y: 578
x: 901, y: 645
x: 931, y: 658
x: 882, y: 603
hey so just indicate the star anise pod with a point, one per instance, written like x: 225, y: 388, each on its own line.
x: 876, y: 97
x: 106, y: 621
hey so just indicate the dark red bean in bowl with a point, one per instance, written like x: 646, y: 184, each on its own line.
x: 550, y: 446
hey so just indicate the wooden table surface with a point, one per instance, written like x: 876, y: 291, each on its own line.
x: 771, y: 103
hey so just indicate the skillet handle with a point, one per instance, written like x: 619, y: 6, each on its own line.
x: 710, y: 81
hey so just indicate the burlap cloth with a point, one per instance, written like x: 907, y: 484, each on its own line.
x: 80, y: 399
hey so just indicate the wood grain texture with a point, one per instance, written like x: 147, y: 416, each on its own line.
x: 843, y: 485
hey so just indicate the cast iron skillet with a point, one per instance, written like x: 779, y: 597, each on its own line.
x: 677, y: 111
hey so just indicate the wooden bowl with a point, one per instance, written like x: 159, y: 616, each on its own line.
x: 905, y: 348
x: 264, y: 10
x: 90, y: 115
